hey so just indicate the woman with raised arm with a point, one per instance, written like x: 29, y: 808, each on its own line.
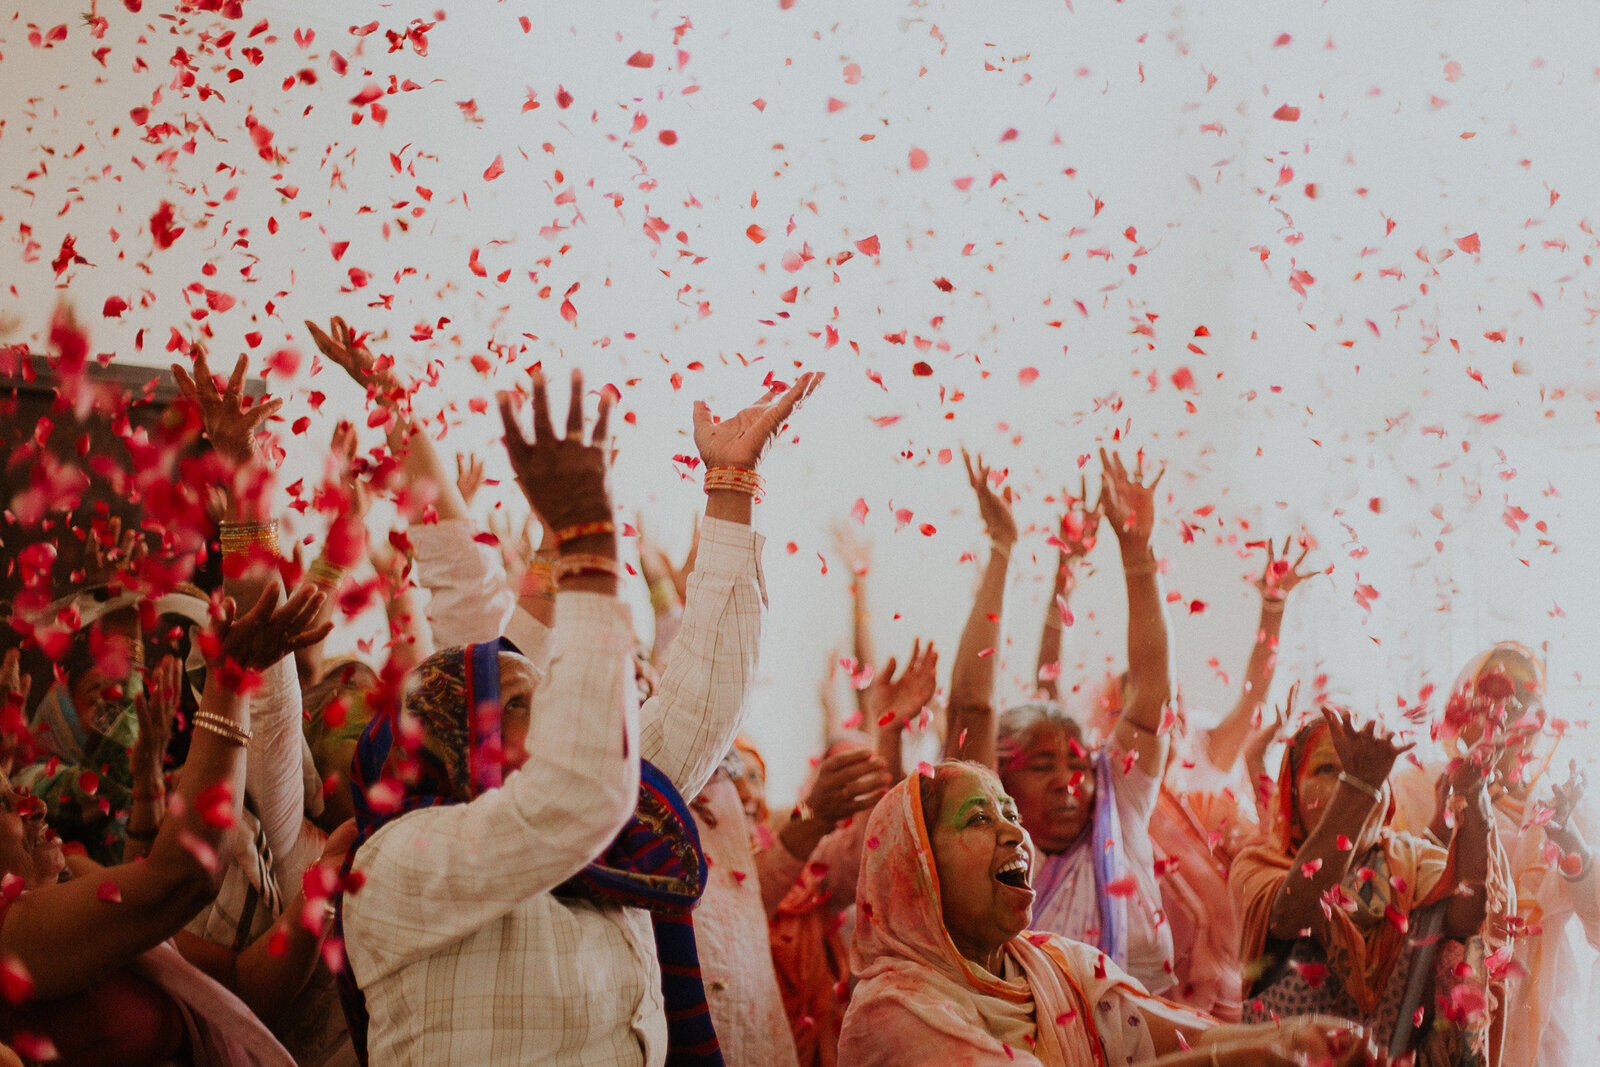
x: 1204, y: 814
x: 94, y: 976
x: 950, y: 976
x: 470, y: 599
x: 1340, y: 914
x: 1088, y: 812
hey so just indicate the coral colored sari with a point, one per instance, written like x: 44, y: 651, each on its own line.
x: 1059, y: 1003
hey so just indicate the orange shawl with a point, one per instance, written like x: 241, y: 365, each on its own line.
x: 920, y: 1002
x: 1421, y: 873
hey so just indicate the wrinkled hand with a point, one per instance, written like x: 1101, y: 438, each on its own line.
x: 993, y: 508
x: 266, y: 633
x: 847, y: 783
x: 565, y: 480
x: 1565, y: 800
x: 156, y: 706
x: 893, y: 702
x: 1128, y: 504
x: 1368, y: 753
x: 744, y: 439
x: 343, y: 347
x: 1280, y: 576
x: 469, y: 476
x: 230, y: 419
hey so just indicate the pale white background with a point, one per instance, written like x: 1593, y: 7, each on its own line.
x: 1147, y: 185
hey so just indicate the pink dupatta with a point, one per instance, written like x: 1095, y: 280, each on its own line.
x: 920, y: 1002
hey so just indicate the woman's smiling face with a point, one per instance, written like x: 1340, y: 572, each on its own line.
x: 983, y: 858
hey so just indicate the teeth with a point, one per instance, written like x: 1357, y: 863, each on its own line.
x: 1018, y: 864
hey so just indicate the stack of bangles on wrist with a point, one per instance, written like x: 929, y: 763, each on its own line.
x: 238, y: 537
x: 540, y: 577
x: 224, y: 728
x: 738, y: 479
x: 1272, y: 603
x: 324, y: 575
x: 589, y: 563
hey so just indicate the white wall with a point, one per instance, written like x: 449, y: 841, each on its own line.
x: 1446, y: 119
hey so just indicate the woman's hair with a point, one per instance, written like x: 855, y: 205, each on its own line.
x: 1017, y: 723
x: 932, y: 787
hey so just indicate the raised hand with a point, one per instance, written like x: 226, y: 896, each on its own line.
x: 230, y: 419
x: 1270, y: 729
x: 994, y: 508
x: 893, y: 702
x: 267, y: 632
x: 1080, y: 523
x: 1127, y: 503
x: 356, y: 496
x: 344, y: 348
x: 1367, y: 754
x: 847, y: 783
x: 104, y: 555
x: 565, y: 479
x: 743, y: 440
x: 1562, y: 833
x: 469, y: 476
x: 1280, y: 576
x: 853, y: 548
x: 156, y: 706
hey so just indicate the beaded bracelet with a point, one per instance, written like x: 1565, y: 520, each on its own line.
x: 579, y: 562
x: 572, y: 533
x: 738, y: 479
x: 224, y: 728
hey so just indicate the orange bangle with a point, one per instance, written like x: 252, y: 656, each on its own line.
x: 570, y: 533
x: 738, y: 479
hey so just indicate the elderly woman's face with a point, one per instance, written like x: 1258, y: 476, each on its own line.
x: 1052, y: 779
x: 517, y: 683
x: 1315, y: 788
x: 28, y: 848
x: 983, y: 859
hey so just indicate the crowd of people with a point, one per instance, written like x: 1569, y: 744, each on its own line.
x: 514, y: 833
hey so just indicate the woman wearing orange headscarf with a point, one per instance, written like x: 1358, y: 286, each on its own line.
x: 1340, y: 914
x: 949, y: 975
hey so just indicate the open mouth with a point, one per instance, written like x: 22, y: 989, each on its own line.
x: 1014, y: 874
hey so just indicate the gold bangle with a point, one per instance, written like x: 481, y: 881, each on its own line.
x: 324, y: 574
x: 232, y: 731
x: 1214, y: 1061
x: 1000, y: 547
x: 581, y: 562
x: 1273, y: 604
x: 1140, y: 569
x: 663, y: 595
x: 738, y: 479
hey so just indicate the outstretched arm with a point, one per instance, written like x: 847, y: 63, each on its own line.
x: 1230, y: 736
x: 1078, y: 528
x: 1365, y: 758
x: 686, y: 728
x: 1129, y: 507
x: 973, y: 716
